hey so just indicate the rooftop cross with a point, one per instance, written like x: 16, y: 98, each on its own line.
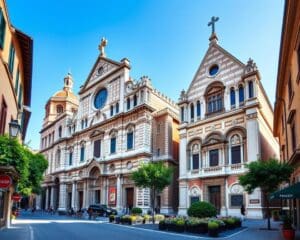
x: 212, y: 24
x: 102, y: 46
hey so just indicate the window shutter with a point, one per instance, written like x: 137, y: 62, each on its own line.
x: 2, y: 29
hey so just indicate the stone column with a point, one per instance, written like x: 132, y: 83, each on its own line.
x: 84, y: 194
x: 52, y: 197
x: 182, y: 154
x: 183, y: 198
x: 47, y: 198
x: 119, y: 192
x: 73, y: 201
x: 62, y: 197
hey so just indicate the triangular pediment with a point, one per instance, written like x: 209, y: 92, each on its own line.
x: 230, y: 69
x: 102, y: 68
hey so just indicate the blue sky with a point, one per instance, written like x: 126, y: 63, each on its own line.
x: 165, y: 40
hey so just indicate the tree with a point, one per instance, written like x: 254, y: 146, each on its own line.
x: 155, y: 176
x: 266, y: 175
x: 29, y: 166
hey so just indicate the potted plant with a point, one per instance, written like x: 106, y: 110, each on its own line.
x: 136, y: 211
x: 238, y: 222
x: 192, y: 225
x: 111, y: 218
x: 180, y: 223
x: 230, y: 223
x: 162, y: 225
x: 213, y: 229
x: 275, y: 215
x: 117, y: 219
x: 288, y: 231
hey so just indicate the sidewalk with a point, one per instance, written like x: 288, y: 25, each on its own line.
x: 254, y: 231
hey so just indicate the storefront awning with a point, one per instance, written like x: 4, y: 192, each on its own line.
x: 291, y: 192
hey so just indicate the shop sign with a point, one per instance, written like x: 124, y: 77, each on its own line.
x: 16, y: 197
x: 5, y: 181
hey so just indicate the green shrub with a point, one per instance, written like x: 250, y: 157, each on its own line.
x: 180, y: 222
x: 136, y: 210
x: 159, y: 217
x: 202, y: 210
x: 213, y: 225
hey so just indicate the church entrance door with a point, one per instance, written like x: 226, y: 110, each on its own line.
x: 215, y: 197
x: 129, y: 197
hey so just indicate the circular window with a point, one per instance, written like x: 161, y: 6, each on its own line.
x: 100, y: 98
x: 213, y: 70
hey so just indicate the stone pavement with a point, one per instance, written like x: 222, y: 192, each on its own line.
x: 41, y: 226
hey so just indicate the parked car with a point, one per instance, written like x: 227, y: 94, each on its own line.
x: 102, y: 210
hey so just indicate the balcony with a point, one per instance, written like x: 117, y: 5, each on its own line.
x: 221, y: 170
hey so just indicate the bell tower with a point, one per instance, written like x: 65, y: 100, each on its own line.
x: 68, y: 82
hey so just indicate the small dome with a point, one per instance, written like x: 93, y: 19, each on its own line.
x: 65, y: 94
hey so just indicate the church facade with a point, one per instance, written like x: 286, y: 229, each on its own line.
x: 225, y: 122
x: 95, y: 140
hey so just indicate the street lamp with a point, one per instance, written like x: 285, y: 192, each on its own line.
x: 14, y: 128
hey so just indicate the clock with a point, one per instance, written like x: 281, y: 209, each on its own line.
x: 129, y: 87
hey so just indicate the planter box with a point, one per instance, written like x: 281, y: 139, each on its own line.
x: 198, y: 229
x: 162, y: 226
x: 213, y: 232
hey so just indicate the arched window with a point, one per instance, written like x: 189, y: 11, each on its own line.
x: 198, y: 109
x: 241, y: 95
x: 113, y: 143
x: 130, y: 139
x: 59, y: 109
x: 59, y: 131
x: 195, y: 156
x: 250, y: 88
x: 82, y: 153
x: 192, y: 112
x: 235, y: 149
x: 117, y: 107
x: 57, y: 160
x: 134, y: 100
x: 232, y: 97
x: 128, y: 103
x: 97, y: 148
x: 214, y: 98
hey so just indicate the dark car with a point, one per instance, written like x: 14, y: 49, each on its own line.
x: 102, y: 210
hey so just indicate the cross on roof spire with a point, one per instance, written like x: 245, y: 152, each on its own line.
x: 212, y: 24
x: 102, y: 46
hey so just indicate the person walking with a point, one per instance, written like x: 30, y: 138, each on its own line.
x: 243, y: 211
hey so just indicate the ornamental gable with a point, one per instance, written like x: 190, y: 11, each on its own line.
x: 217, y: 65
x: 101, y: 69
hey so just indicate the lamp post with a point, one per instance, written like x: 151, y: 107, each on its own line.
x: 14, y: 128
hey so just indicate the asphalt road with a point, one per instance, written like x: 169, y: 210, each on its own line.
x: 39, y: 226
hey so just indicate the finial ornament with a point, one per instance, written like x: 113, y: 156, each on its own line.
x: 102, y: 46
x: 212, y: 24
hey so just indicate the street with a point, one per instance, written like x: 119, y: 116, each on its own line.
x: 42, y: 226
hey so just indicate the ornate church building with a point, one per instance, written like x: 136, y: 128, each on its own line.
x: 95, y: 140
x: 225, y: 122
